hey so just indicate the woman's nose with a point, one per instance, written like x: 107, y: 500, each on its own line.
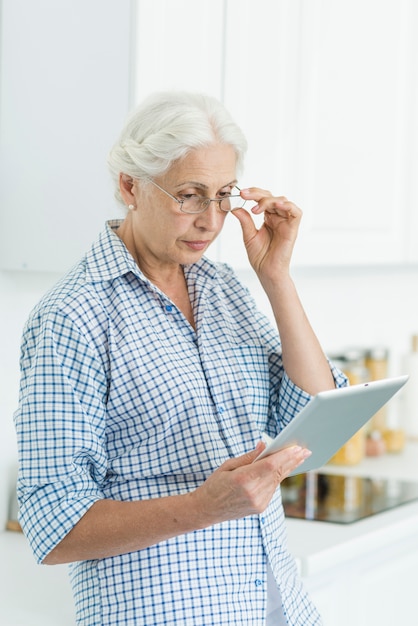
x: 212, y: 219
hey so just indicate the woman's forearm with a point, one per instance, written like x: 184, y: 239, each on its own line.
x: 303, y: 357
x: 111, y: 527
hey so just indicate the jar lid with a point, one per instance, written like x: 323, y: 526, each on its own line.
x: 354, y: 355
x: 379, y: 353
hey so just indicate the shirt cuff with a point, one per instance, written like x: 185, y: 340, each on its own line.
x: 49, y: 514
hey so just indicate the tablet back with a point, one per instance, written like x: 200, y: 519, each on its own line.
x: 331, y: 418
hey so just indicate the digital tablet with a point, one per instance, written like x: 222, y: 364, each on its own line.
x: 332, y: 417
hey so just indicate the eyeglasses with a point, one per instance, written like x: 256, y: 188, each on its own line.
x: 193, y: 203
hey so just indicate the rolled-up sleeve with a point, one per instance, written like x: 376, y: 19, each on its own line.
x: 60, y: 425
x: 292, y: 398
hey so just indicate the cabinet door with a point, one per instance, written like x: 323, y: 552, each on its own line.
x: 353, y: 138
x: 375, y: 590
x: 387, y: 594
x: 411, y: 220
x: 179, y: 45
x: 261, y: 60
x: 65, y: 89
x: 321, y: 89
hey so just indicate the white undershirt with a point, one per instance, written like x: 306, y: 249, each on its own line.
x: 275, y: 616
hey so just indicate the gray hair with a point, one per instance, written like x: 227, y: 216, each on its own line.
x: 165, y: 128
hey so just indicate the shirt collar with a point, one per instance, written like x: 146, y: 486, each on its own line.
x: 108, y: 257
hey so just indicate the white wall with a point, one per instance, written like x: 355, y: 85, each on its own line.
x: 358, y: 307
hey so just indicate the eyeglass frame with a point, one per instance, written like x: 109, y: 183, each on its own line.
x: 204, y: 200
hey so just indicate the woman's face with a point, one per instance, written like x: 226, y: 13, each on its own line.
x: 162, y: 234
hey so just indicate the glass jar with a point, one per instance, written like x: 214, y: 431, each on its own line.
x: 377, y: 364
x: 354, y: 450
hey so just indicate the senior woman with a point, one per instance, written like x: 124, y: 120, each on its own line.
x: 148, y: 380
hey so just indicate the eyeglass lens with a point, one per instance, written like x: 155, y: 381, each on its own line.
x: 198, y: 204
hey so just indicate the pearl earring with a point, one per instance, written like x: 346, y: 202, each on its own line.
x: 131, y: 207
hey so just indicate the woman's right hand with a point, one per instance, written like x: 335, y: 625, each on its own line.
x: 240, y: 487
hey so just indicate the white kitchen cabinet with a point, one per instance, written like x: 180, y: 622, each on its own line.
x: 179, y: 45
x: 412, y: 212
x: 324, y: 92
x: 65, y: 89
x: 376, y: 590
x: 387, y: 592
x: 354, y: 137
x: 261, y: 60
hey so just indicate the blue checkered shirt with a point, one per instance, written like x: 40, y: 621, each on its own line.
x: 120, y: 398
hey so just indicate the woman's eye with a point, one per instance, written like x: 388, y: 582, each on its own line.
x: 188, y: 196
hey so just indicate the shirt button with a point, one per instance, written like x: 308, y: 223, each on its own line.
x: 258, y: 582
x: 221, y: 409
x: 262, y: 520
x: 169, y: 308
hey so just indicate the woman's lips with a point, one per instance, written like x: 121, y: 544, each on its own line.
x: 197, y: 245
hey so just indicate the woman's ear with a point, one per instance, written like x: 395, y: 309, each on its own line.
x: 126, y: 186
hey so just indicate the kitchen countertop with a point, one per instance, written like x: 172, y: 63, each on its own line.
x: 319, y: 546
x: 402, y: 465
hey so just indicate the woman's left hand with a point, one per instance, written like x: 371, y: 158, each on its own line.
x: 270, y: 247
